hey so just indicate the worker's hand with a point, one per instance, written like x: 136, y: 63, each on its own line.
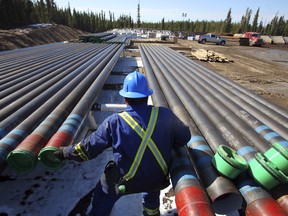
x: 59, y: 154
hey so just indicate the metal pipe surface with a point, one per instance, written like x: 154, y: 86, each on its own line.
x: 190, y: 198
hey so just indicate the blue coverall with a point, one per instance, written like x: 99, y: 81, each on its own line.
x: 114, y: 132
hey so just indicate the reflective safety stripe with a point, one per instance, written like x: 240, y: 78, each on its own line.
x: 151, y: 211
x: 146, y: 141
x: 80, y: 152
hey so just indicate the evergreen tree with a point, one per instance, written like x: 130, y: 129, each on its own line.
x: 5, y: 13
x: 285, y: 30
x: 138, y: 16
x: 280, y: 27
x: 17, y: 13
x: 274, y: 25
x: 260, y: 28
x: 40, y: 9
x: 255, y: 21
x: 228, y: 22
x: 163, y: 24
x: 245, y: 21
x: 30, y: 15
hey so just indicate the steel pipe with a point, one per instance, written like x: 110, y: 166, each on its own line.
x: 258, y: 201
x: 273, y: 139
x: 186, y: 91
x: 217, y: 94
x: 109, y: 107
x: 190, y: 198
x: 234, y: 97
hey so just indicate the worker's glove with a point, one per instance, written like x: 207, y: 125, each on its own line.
x: 111, y: 178
x: 59, y: 154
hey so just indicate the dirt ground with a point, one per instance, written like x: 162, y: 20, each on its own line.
x: 263, y: 70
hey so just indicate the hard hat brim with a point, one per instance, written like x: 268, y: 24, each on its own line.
x: 135, y: 94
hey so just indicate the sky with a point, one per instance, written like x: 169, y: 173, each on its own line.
x: 156, y: 10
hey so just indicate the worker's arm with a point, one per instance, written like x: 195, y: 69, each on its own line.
x: 90, y: 147
x: 181, y: 133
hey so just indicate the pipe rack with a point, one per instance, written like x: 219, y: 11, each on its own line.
x: 193, y: 86
x: 49, y: 90
x: 75, y: 76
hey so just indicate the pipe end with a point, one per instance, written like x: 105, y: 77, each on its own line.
x: 21, y: 160
x: 48, y: 159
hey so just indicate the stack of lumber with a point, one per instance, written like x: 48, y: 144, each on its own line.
x: 209, y: 55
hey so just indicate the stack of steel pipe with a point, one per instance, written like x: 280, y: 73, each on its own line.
x: 96, y: 37
x: 201, y: 153
x: 45, y: 101
x: 72, y: 125
x: 190, y: 197
x: 223, y: 118
x: 118, y: 39
x: 107, y: 38
x: 39, y: 80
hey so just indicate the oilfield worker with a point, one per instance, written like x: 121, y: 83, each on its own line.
x: 142, y: 138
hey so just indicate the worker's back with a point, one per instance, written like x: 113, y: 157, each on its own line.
x: 125, y: 141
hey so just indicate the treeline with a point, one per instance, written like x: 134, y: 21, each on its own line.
x: 19, y: 13
x: 277, y: 26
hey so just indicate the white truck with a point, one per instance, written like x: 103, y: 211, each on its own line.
x: 212, y: 38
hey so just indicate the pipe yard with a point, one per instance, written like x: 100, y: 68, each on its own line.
x: 53, y: 95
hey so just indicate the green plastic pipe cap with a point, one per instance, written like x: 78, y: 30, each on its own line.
x: 228, y: 162
x: 278, y: 155
x: 265, y: 172
x: 21, y: 160
x: 48, y: 159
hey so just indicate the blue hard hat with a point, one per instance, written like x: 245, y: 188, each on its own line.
x: 135, y: 86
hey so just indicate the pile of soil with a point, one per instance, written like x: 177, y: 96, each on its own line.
x: 27, y: 37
